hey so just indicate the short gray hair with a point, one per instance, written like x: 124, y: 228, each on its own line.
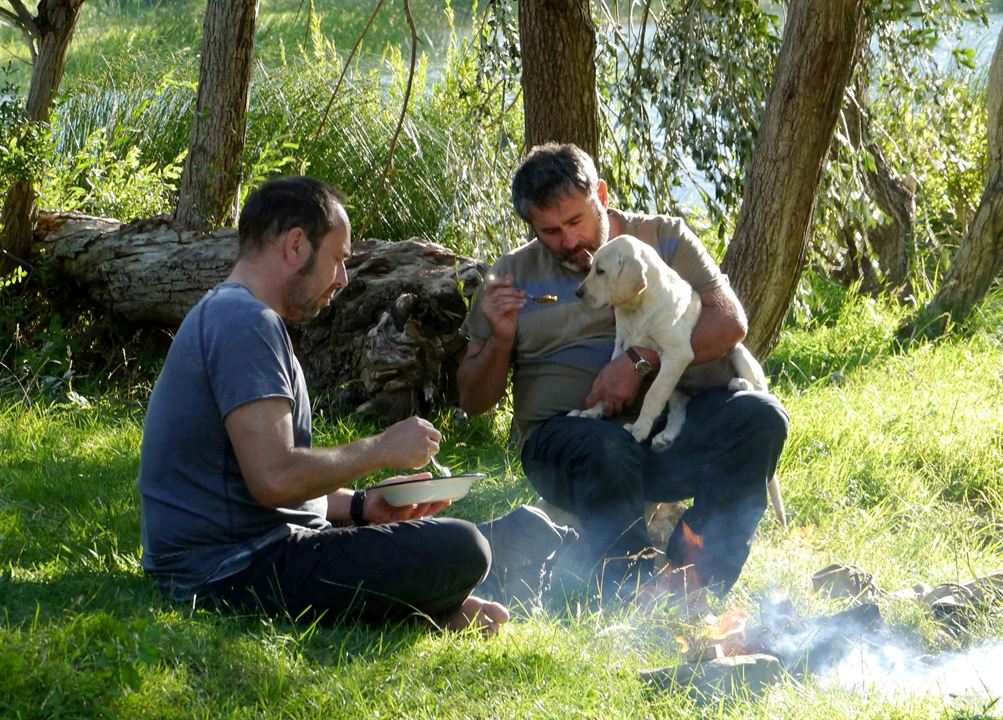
x: 549, y: 172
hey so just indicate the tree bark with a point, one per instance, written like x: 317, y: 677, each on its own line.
x: 558, y: 45
x: 979, y: 260
x: 54, y: 26
x: 821, y: 43
x: 210, y: 181
x: 388, y: 345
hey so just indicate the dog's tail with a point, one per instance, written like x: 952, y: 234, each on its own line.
x: 748, y: 368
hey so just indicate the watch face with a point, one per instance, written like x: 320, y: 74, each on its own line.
x: 642, y: 367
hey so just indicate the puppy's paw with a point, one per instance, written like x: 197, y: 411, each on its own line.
x: 640, y: 429
x: 740, y: 385
x: 663, y: 441
x: 593, y: 412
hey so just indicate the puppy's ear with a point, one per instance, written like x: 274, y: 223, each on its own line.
x: 630, y: 281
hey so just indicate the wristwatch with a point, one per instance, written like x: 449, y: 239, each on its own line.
x: 641, y: 366
x: 355, y: 509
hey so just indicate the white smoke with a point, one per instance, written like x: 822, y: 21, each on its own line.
x: 898, y: 672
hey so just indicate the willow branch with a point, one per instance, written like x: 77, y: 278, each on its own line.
x: 344, y: 70
x: 24, y: 21
x: 403, y: 114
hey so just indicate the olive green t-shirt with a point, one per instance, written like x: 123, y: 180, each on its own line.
x: 560, y: 347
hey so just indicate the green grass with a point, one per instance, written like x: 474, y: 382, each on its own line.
x: 894, y: 463
x: 116, y: 40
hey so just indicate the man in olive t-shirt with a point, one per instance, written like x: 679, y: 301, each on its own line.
x: 560, y: 353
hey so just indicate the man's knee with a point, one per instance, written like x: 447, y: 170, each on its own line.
x: 614, y: 455
x: 593, y: 459
x: 763, y: 415
x: 465, y: 549
x: 773, y: 419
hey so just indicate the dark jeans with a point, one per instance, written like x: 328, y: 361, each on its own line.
x: 723, y: 458
x: 378, y: 572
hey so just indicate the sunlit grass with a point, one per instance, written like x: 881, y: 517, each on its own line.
x: 894, y: 464
x: 121, y: 39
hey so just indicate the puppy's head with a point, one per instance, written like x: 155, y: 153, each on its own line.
x: 617, y: 274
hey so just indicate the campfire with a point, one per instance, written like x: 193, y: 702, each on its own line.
x: 735, y: 652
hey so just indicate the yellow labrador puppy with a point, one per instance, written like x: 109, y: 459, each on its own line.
x: 656, y: 308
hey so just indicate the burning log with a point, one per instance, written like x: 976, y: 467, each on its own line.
x: 818, y: 643
x: 727, y: 675
x: 729, y: 656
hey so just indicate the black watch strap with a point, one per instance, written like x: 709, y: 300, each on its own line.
x: 634, y: 355
x: 355, y: 509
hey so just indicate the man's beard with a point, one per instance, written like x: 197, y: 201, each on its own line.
x: 301, y: 308
x: 580, y: 259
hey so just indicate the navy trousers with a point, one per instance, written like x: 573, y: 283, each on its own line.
x: 723, y: 458
x: 377, y: 572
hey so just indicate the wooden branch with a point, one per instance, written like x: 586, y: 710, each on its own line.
x: 400, y: 120
x: 27, y: 19
x: 348, y: 61
x: 23, y: 20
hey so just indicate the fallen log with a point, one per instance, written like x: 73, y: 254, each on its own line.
x: 388, y: 345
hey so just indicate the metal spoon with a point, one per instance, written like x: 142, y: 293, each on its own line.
x: 440, y: 468
x: 538, y: 299
x: 542, y: 299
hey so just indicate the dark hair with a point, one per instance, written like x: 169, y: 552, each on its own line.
x: 284, y: 203
x: 550, y: 172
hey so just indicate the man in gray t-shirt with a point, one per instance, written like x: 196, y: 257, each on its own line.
x: 236, y: 504
x: 559, y: 353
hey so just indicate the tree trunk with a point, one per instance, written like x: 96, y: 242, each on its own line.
x: 210, y: 182
x: 55, y: 22
x: 822, y: 39
x: 979, y: 260
x: 388, y: 345
x: 558, y: 46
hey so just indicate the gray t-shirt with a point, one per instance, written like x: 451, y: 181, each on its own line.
x: 199, y: 521
x: 561, y: 347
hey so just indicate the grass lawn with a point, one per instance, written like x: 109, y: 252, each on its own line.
x: 894, y: 463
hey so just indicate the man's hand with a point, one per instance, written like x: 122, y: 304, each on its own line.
x: 377, y: 510
x: 616, y: 386
x: 483, y: 374
x: 501, y: 304
x: 409, y: 443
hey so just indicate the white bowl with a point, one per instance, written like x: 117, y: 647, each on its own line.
x: 437, y: 489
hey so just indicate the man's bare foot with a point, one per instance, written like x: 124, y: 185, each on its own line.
x: 482, y: 614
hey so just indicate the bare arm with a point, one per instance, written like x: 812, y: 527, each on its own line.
x: 483, y: 374
x: 277, y: 473
x: 720, y: 327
